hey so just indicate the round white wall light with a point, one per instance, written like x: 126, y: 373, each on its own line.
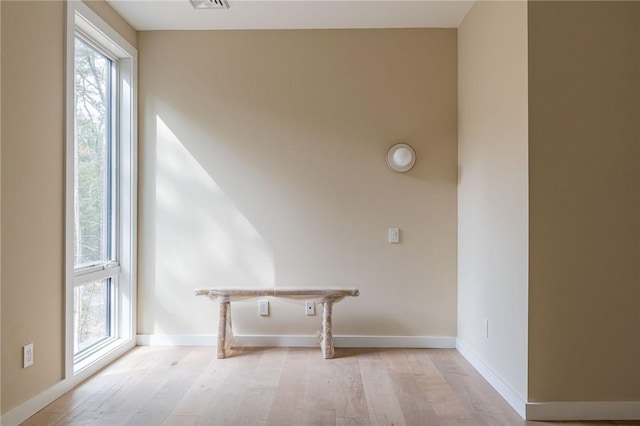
x: 401, y: 157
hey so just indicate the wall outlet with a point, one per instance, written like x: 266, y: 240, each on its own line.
x: 263, y: 308
x: 27, y: 355
x: 485, y: 328
x: 394, y: 235
x: 310, y: 307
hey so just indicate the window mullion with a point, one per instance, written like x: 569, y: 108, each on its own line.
x: 101, y: 274
x: 115, y: 163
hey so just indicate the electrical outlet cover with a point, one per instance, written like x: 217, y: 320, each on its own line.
x: 27, y: 354
x: 394, y: 235
x: 263, y: 308
x: 310, y: 308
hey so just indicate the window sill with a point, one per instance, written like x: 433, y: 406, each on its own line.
x: 101, y: 353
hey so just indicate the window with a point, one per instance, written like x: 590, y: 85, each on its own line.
x: 94, y: 185
x: 101, y: 196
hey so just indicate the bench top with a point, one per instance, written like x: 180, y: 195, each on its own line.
x: 278, y: 292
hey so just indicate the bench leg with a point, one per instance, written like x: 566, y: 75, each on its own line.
x: 223, y: 308
x: 327, y: 332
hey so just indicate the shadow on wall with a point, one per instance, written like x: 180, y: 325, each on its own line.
x: 201, y: 238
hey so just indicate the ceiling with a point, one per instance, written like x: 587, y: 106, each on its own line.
x: 146, y: 15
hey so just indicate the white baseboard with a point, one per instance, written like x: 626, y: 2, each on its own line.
x: 419, y: 342
x: 175, y: 340
x: 516, y: 401
x: 31, y: 406
x: 345, y: 341
x: 592, y: 410
x: 552, y: 411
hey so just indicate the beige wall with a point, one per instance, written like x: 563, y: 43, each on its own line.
x: 32, y: 196
x: 32, y: 190
x: 0, y: 206
x: 492, y: 193
x: 584, y: 326
x: 263, y: 163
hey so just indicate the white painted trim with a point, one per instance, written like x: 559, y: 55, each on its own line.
x: 80, y: 17
x: 516, y: 401
x: 30, y: 407
x: 345, y: 341
x: 592, y: 410
x: 91, y: 24
x: 68, y: 165
x: 175, y: 340
x: 420, y: 342
x: 551, y: 411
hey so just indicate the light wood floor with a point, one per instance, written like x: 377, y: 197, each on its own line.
x: 284, y: 386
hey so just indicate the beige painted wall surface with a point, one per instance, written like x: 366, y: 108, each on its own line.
x: 0, y: 207
x: 584, y: 326
x: 263, y: 163
x: 32, y: 196
x: 32, y: 178
x: 492, y: 194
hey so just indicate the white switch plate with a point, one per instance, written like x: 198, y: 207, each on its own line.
x: 485, y: 328
x: 27, y: 355
x: 394, y: 235
x: 263, y: 308
x: 310, y: 307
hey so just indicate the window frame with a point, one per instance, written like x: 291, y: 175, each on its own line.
x: 82, y: 21
x: 106, y: 270
x: 113, y: 155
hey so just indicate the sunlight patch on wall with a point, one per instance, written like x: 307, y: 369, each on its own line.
x: 202, y: 238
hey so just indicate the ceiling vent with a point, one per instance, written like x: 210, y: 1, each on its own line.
x: 210, y: 4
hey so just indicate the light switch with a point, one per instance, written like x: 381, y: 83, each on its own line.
x: 394, y: 235
x: 263, y: 308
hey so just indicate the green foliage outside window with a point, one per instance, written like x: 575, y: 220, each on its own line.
x: 92, y: 190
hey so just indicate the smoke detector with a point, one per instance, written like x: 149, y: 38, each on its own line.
x: 210, y: 4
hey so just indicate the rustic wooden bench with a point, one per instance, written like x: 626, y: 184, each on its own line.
x: 327, y: 296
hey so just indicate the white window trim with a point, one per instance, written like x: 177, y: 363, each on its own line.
x: 82, y: 19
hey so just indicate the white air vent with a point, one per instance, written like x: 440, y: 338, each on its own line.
x: 210, y: 4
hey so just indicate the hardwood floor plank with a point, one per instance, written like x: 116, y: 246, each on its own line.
x: 260, y: 393
x: 350, y: 399
x: 395, y: 361
x: 444, y: 401
x: 169, y: 390
x: 288, y: 406
x: 116, y: 402
x: 319, y: 400
x: 196, y: 399
x: 124, y: 406
x: 473, y: 392
x: 382, y: 403
x: 422, y: 365
x: 353, y: 421
x: 97, y: 386
x: 180, y: 421
x: 225, y: 399
x: 413, y: 402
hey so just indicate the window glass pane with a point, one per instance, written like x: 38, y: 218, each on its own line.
x: 92, y: 174
x: 91, y: 314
